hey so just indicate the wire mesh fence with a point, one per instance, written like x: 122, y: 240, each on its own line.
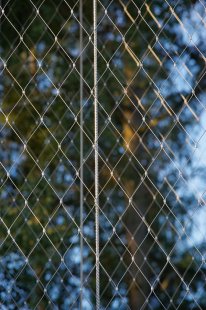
x: 102, y: 161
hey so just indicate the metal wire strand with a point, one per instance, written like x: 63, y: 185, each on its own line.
x: 96, y: 150
x: 81, y: 155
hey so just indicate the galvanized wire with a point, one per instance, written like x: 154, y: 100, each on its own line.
x: 96, y: 154
x: 102, y: 126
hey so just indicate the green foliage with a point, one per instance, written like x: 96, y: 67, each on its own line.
x: 40, y: 151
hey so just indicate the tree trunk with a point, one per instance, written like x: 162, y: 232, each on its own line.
x: 137, y: 232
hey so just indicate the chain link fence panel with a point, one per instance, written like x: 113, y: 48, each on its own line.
x: 102, y: 161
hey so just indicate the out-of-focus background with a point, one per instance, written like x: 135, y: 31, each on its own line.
x: 152, y: 144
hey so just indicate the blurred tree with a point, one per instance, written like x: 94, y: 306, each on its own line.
x: 148, y: 98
